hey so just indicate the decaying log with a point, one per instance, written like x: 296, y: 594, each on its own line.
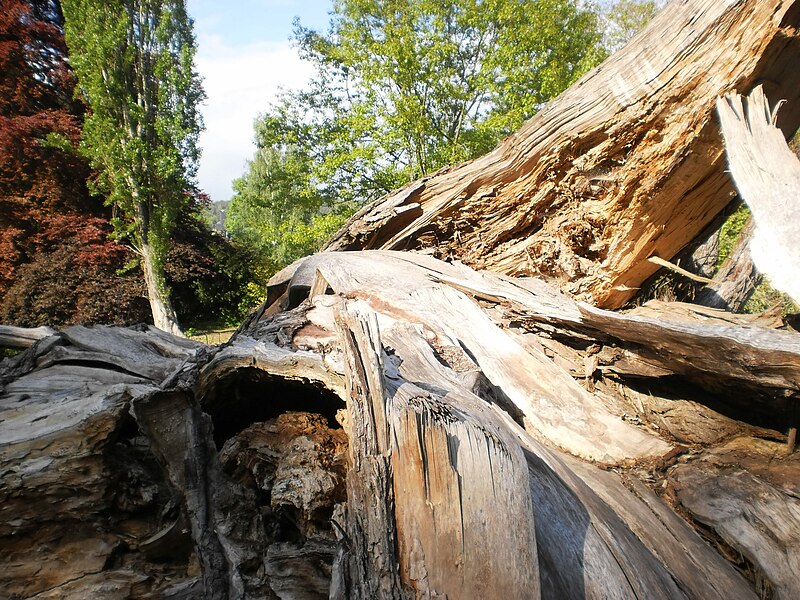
x: 625, y: 165
x: 20, y: 338
x: 389, y: 425
x: 449, y: 444
x: 767, y: 175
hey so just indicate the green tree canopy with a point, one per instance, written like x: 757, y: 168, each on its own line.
x: 403, y: 87
x: 134, y: 62
x: 625, y: 18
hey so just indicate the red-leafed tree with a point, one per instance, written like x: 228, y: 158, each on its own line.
x: 57, y: 264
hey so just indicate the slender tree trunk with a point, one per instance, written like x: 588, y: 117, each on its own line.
x: 157, y: 292
x: 160, y: 305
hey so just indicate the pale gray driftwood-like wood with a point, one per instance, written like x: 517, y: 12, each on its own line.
x: 464, y: 429
x: 767, y: 175
x: 22, y: 337
x: 553, y: 403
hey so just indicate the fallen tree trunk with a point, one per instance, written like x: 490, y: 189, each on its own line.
x: 404, y: 427
x: 19, y: 338
x: 624, y: 166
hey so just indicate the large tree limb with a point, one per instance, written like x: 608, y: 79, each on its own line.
x: 20, y: 338
x: 625, y: 165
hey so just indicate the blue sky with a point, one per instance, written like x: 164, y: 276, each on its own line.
x: 245, y: 58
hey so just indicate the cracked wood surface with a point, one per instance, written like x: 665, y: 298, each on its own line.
x: 767, y: 175
x: 473, y: 467
x: 625, y: 165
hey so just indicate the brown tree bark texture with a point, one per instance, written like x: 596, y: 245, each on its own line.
x: 625, y: 165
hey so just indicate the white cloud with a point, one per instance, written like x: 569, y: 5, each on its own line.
x: 240, y: 82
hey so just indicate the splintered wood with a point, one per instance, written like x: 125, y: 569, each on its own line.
x: 470, y: 433
x: 390, y: 425
x: 767, y: 175
x: 625, y: 165
x: 484, y: 458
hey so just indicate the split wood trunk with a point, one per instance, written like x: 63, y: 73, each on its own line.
x: 394, y: 426
x: 626, y: 165
x: 767, y: 175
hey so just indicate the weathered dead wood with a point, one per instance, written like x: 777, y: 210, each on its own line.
x: 388, y: 302
x: 63, y: 440
x: 614, y: 559
x: 20, y: 337
x: 180, y: 435
x: 468, y: 401
x: 625, y: 165
x: 550, y: 399
x: 372, y: 563
x: 676, y: 269
x: 767, y: 175
x: 455, y: 463
x: 731, y: 492
x: 736, y: 279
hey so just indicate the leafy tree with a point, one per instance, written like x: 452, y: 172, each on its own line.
x: 33, y: 106
x: 74, y: 278
x: 403, y: 87
x: 208, y: 277
x: 57, y: 265
x: 625, y: 18
x: 277, y: 214
x: 440, y: 82
x: 133, y: 59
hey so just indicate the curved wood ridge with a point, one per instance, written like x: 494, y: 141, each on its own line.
x: 399, y: 427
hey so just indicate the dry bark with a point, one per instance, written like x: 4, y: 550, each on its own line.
x: 469, y: 435
x: 625, y: 165
x: 391, y: 425
x: 736, y: 279
x: 19, y: 338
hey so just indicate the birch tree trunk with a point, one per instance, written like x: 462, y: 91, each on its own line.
x: 624, y: 166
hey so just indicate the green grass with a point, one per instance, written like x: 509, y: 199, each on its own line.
x: 213, y: 336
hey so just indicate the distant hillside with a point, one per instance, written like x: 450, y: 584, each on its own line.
x: 216, y: 215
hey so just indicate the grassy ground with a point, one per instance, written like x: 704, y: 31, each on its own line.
x: 211, y: 336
